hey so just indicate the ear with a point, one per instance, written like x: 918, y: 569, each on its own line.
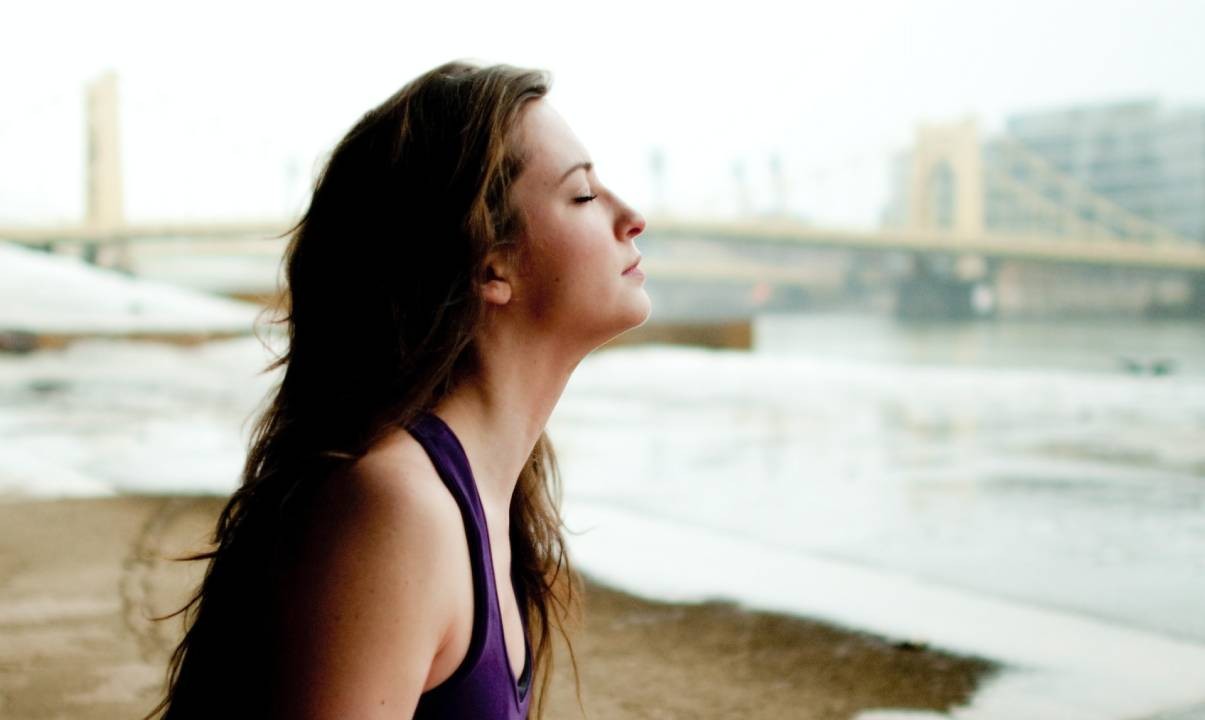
x: 496, y: 286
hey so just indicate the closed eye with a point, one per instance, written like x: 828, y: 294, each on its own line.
x: 584, y: 199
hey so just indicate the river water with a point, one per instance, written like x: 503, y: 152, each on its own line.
x: 1024, y: 460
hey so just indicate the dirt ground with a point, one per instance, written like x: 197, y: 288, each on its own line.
x: 79, y: 578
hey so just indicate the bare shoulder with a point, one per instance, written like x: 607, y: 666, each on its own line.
x: 398, y: 469
x: 366, y: 608
x: 394, y: 490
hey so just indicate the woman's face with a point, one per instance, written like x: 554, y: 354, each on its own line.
x: 578, y: 238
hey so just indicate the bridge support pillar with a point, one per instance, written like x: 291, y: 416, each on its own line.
x: 1196, y: 306
x: 935, y: 290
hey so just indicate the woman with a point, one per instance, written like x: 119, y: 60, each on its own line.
x: 396, y: 541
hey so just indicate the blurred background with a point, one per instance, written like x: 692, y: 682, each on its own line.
x: 927, y: 353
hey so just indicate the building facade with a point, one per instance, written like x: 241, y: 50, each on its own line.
x: 1132, y: 170
x: 1147, y: 159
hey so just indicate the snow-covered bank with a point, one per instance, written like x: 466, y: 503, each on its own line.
x: 1061, y: 666
x: 43, y: 293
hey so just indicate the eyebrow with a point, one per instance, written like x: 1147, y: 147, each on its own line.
x: 587, y: 166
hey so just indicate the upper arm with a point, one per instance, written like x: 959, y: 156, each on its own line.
x: 362, y: 613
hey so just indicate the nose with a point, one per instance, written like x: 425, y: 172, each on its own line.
x: 631, y: 223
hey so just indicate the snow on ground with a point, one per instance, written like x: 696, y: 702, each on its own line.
x: 56, y: 294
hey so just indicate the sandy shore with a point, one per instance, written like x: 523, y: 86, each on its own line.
x: 78, y: 578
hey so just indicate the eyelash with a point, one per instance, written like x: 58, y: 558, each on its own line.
x: 584, y: 199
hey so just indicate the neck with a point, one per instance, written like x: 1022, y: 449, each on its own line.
x: 499, y: 412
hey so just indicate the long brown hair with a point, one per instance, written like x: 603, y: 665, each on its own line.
x: 382, y: 305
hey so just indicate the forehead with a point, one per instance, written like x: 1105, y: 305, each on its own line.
x: 548, y: 143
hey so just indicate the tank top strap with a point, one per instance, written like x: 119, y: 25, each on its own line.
x: 452, y: 463
x: 486, y: 668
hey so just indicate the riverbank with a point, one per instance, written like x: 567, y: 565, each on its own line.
x: 78, y: 577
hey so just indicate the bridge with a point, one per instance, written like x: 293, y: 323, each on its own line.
x: 979, y: 222
x: 1091, y: 251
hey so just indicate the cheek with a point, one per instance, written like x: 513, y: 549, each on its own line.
x: 547, y: 273
x: 569, y: 264
x: 565, y: 255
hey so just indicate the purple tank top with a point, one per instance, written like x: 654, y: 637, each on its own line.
x: 484, y: 686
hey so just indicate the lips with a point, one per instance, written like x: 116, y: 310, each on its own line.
x: 633, y: 265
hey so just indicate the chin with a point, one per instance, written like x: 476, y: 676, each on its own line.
x: 634, y: 313
x: 641, y: 315
x: 648, y: 313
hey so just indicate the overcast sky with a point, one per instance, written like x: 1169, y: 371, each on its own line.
x: 228, y: 107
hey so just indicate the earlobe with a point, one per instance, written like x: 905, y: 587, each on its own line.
x: 495, y: 289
